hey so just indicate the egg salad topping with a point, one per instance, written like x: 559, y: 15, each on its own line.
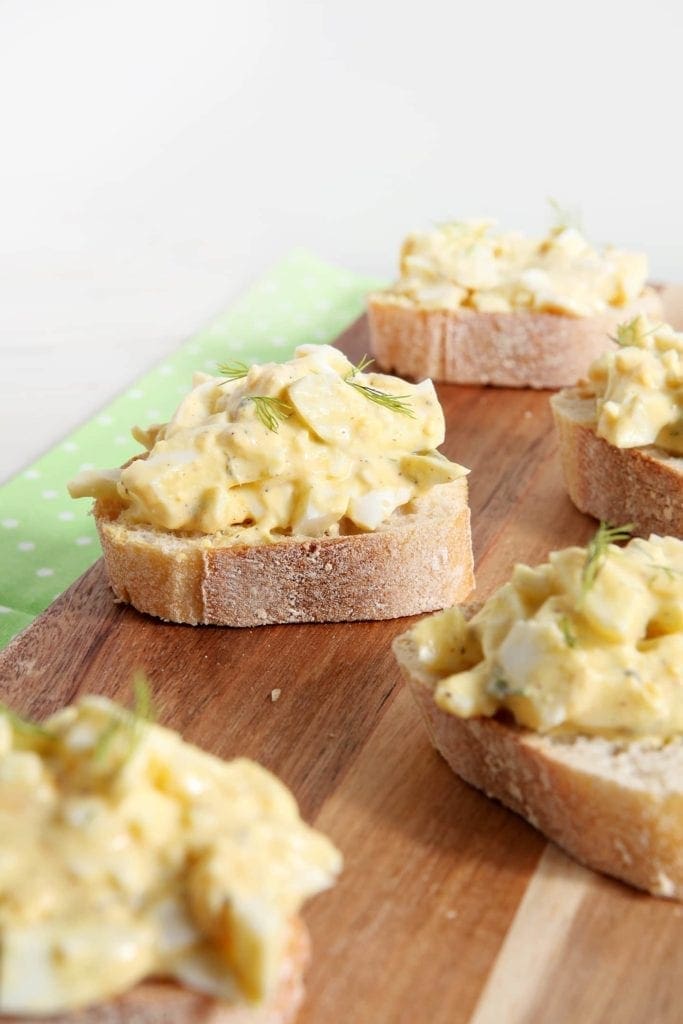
x: 311, y: 447
x: 590, y: 642
x: 639, y: 387
x: 127, y: 853
x: 464, y: 264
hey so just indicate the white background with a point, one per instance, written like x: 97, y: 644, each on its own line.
x: 156, y: 156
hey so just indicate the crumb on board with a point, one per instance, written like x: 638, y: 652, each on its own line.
x: 275, y: 694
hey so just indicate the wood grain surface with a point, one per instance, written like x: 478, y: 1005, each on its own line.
x: 451, y: 909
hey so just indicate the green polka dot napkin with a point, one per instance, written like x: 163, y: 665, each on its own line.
x: 46, y: 539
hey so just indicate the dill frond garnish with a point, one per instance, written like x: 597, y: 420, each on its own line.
x: 143, y: 705
x: 567, y: 631
x: 668, y: 570
x: 24, y: 726
x: 596, y: 549
x: 271, y: 411
x: 565, y: 216
x: 360, y: 367
x: 627, y: 333
x: 234, y: 370
x: 132, y: 722
x: 397, y: 403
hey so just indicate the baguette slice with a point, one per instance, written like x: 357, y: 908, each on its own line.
x: 642, y: 486
x: 160, y: 1002
x: 516, y: 350
x: 616, y: 807
x: 419, y: 560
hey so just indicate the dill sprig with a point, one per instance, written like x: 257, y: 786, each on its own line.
x: 271, y: 411
x: 234, y: 370
x: 596, y: 549
x: 567, y: 631
x: 24, y: 726
x: 133, y: 723
x: 143, y: 705
x: 627, y: 333
x: 565, y: 216
x: 361, y: 366
x: 397, y: 403
x: 668, y: 570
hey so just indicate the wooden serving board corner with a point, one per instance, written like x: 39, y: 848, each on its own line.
x: 451, y: 909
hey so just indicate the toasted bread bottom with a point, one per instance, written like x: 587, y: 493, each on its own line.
x: 641, y: 486
x: 616, y: 807
x: 418, y: 560
x: 518, y: 349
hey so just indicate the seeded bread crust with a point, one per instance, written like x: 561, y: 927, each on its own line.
x: 642, y: 486
x: 158, y: 1002
x: 419, y: 560
x: 517, y: 349
x: 617, y: 808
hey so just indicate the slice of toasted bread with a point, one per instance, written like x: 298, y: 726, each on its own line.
x: 518, y: 349
x: 617, y: 807
x: 641, y: 486
x: 161, y: 1002
x: 418, y: 560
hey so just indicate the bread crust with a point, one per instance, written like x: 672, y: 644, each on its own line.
x: 618, y: 808
x: 418, y: 560
x: 642, y: 486
x: 516, y: 349
x: 160, y: 1002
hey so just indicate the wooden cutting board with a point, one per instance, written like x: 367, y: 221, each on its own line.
x: 451, y: 909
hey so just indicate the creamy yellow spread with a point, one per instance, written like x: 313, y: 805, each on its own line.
x: 638, y: 387
x: 127, y: 853
x: 567, y: 647
x: 465, y: 264
x: 310, y: 447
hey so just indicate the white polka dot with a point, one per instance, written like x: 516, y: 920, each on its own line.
x: 10, y: 524
x: 104, y: 420
x: 26, y: 545
x: 210, y: 364
x: 323, y: 304
x: 4, y: 610
x: 66, y: 517
x: 153, y: 414
x: 31, y: 474
x: 182, y: 389
x: 261, y: 324
x: 319, y: 335
x: 301, y: 318
x: 135, y: 393
x: 165, y: 371
x: 237, y: 344
x: 45, y: 572
x: 70, y: 446
x: 87, y: 465
x: 120, y: 439
x: 49, y: 495
x: 83, y: 541
x: 278, y: 341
